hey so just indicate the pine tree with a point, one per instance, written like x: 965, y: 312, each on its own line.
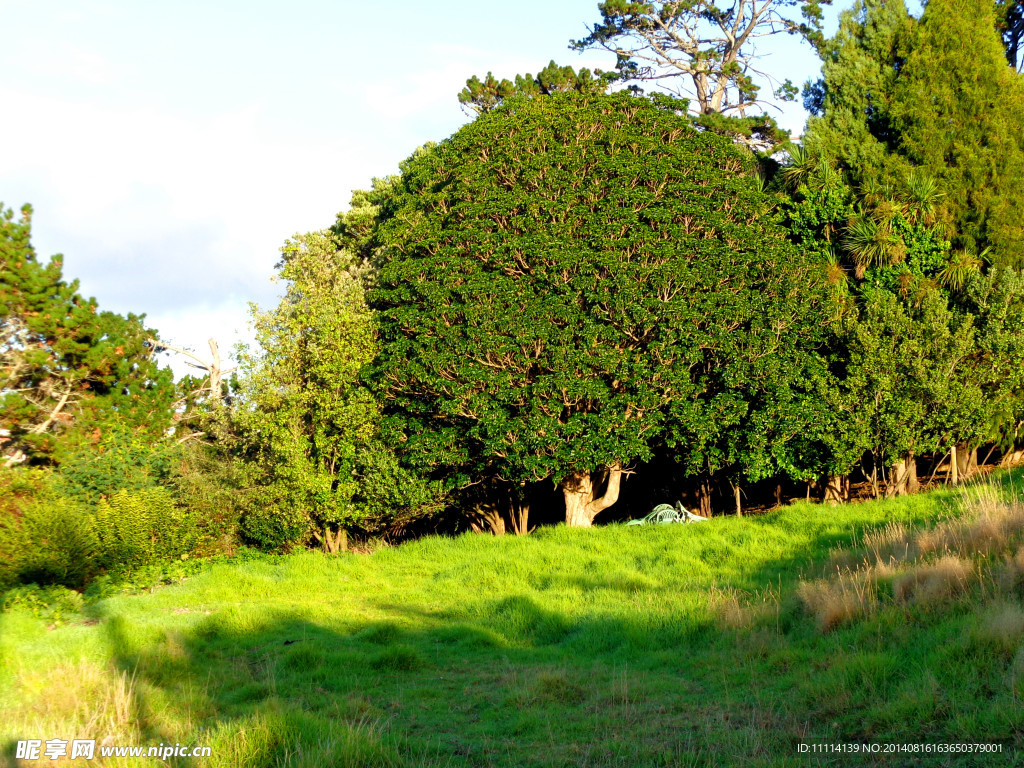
x: 904, y: 101
x: 958, y: 109
x: 67, y: 371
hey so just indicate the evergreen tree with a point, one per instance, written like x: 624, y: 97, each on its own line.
x: 925, y: 115
x: 958, y: 110
x: 70, y: 373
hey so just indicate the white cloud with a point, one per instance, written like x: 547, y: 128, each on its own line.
x: 162, y: 214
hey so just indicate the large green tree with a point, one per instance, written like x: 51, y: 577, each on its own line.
x: 958, y: 109
x: 569, y: 282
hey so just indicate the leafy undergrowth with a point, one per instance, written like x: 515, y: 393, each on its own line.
x: 730, y: 642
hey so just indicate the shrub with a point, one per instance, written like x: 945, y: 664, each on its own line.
x: 53, y: 603
x: 119, y: 459
x: 137, y: 528
x: 208, y: 485
x: 44, y: 538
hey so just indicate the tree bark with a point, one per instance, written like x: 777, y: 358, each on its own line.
x: 520, y: 519
x: 488, y: 519
x: 581, y: 505
x: 333, y: 542
x: 899, y: 478
x: 736, y: 492
x: 1012, y: 458
x: 833, y: 490
x: 704, y: 497
x: 913, y: 486
x: 967, y: 461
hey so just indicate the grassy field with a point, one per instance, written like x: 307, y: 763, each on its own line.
x: 729, y: 642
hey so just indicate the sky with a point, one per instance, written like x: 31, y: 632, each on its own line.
x: 170, y: 148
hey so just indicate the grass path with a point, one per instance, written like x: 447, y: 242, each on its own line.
x: 725, y: 643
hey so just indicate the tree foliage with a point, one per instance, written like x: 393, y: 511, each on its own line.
x: 959, y: 118
x: 568, y: 281
x: 302, y: 421
x: 708, y: 44
x: 905, y: 104
x: 490, y: 93
x: 70, y: 373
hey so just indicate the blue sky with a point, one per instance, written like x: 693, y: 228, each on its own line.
x: 169, y: 148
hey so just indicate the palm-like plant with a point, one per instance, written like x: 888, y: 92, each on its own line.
x: 960, y: 268
x: 801, y: 166
x: 871, y: 242
x: 923, y: 194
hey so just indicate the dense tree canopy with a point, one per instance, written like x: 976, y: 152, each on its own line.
x: 490, y: 93
x: 302, y: 421
x: 567, y: 281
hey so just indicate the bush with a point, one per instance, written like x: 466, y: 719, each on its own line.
x: 54, y: 603
x: 140, y: 527
x: 119, y: 459
x: 45, y: 538
x: 208, y: 485
x: 273, y: 523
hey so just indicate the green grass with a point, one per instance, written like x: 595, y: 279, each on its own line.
x: 725, y: 643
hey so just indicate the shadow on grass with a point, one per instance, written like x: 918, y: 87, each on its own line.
x: 519, y: 679
x: 523, y: 686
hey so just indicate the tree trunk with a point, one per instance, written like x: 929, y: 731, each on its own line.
x: 954, y: 466
x: 736, y: 492
x: 966, y: 461
x: 581, y: 506
x: 833, y: 490
x: 913, y: 486
x: 333, y: 542
x: 519, y: 519
x: 899, y: 478
x: 487, y: 519
x: 704, y: 497
x: 1012, y: 458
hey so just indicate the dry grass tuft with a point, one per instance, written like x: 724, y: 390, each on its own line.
x: 889, y: 544
x: 994, y: 526
x: 838, y: 601
x: 934, y: 582
x: 925, y: 567
x: 725, y: 604
x: 81, y: 701
x: 1011, y: 576
x: 734, y: 613
x: 843, y: 560
x: 1003, y: 626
